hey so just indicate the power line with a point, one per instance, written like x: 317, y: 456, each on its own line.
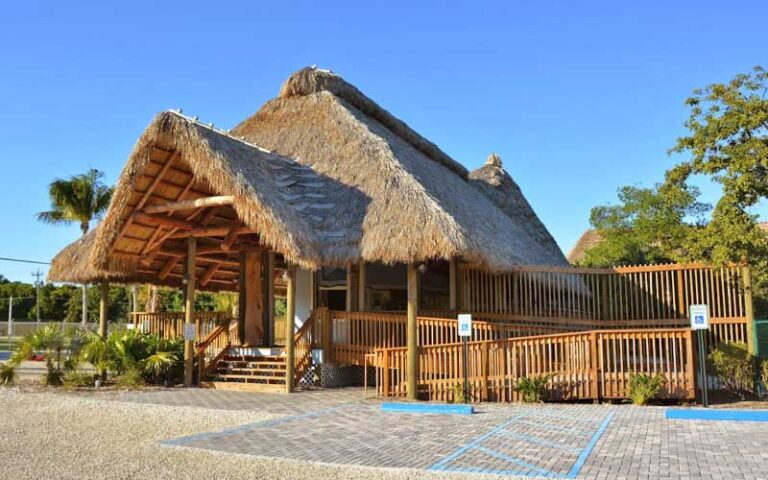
x: 24, y: 261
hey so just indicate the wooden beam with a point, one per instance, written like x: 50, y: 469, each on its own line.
x: 216, y: 201
x: 230, y: 238
x: 189, y: 310
x: 218, y: 231
x: 412, y: 332
x: 162, y: 220
x: 168, y: 267
x: 208, y: 275
x: 145, y: 196
x: 254, y: 298
x: 151, y: 243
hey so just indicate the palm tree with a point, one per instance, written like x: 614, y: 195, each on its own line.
x: 80, y: 199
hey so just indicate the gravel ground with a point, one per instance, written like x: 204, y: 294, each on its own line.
x: 56, y: 435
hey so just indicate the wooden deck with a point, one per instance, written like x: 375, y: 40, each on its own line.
x: 588, y: 328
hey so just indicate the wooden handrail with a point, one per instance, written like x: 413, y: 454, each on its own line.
x: 584, y: 365
x: 214, y: 346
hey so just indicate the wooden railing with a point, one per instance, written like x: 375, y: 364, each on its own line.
x: 303, y: 342
x: 171, y: 324
x: 353, y: 335
x: 584, y: 365
x: 212, y: 348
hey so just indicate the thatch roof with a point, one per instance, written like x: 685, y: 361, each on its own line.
x: 503, y: 191
x: 72, y: 264
x: 322, y: 175
x: 409, y: 200
x: 589, y: 239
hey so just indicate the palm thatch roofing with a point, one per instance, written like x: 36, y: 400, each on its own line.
x: 322, y: 175
x: 589, y: 239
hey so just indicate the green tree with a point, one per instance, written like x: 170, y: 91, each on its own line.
x: 728, y: 142
x: 648, y: 225
x: 80, y: 199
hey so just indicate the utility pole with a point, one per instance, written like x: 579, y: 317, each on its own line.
x: 10, y: 324
x: 38, y: 284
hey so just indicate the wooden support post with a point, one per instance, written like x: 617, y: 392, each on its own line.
x: 593, y: 365
x: 270, y: 273
x: 254, y: 298
x: 749, y: 313
x: 290, y: 322
x: 351, y: 290
x: 189, y: 310
x: 412, y: 332
x: 327, y: 334
x: 103, y: 306
x: 361, y: 300
x: 453, y: 271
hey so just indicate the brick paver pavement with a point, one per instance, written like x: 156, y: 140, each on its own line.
x: 588, y: 441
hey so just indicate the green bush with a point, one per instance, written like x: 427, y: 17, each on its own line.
x: 131, y: 379
x: 734, y: 367
x: 532, y: 389
x: 54, y: 377
x: 73, y: 379
x: 643, y: 387
x: 458, y: 393
x: 8, y: 374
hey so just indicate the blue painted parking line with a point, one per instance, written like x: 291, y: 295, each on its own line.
x: 462, y: 450
x: 555, y: 428
x: 540, y: 441
x: 533, y: 468
x: 576, y: 468
x: 519, y: 466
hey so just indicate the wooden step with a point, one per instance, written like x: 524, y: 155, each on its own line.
x: 247, y: 387
x: 250, y: 371
x: 253, y: 358
x: 229, y: 376
x: 242, y: 364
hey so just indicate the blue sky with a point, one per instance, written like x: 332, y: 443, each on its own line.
x: 578, y: 98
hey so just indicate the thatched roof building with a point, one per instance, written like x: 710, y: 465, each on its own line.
x: 589, y: 239
x: 322, y: 175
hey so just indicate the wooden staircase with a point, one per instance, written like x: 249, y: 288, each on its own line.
x: 236, y: 371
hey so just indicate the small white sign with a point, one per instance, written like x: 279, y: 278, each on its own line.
x: 699, y: 317
x: 465, y: 325
x: 189, y: 332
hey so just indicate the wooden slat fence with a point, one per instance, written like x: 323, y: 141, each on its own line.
x: 584, y: 365
x: 649, y: 296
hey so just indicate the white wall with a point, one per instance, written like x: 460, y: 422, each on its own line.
x: 303, y: 296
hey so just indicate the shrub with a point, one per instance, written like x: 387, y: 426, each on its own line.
x: 764, y: 373
x: 8, y: 374
x: 458, y: 393
x: 54, y: 377
x: 734, y: 367
x: 73, y: 379
x: 131, y: 379
x: 643, y: 387
x: 532, y: 388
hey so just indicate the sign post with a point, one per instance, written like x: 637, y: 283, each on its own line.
x: 465, y: 331
x: 700, y: 323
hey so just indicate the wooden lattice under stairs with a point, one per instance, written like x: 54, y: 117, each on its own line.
x: 251, y: 371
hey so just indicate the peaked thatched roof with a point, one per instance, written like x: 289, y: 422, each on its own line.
x: 322, y: 175
x: 587, y: 240
x: 503, y: 191
x: 411, y: 201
